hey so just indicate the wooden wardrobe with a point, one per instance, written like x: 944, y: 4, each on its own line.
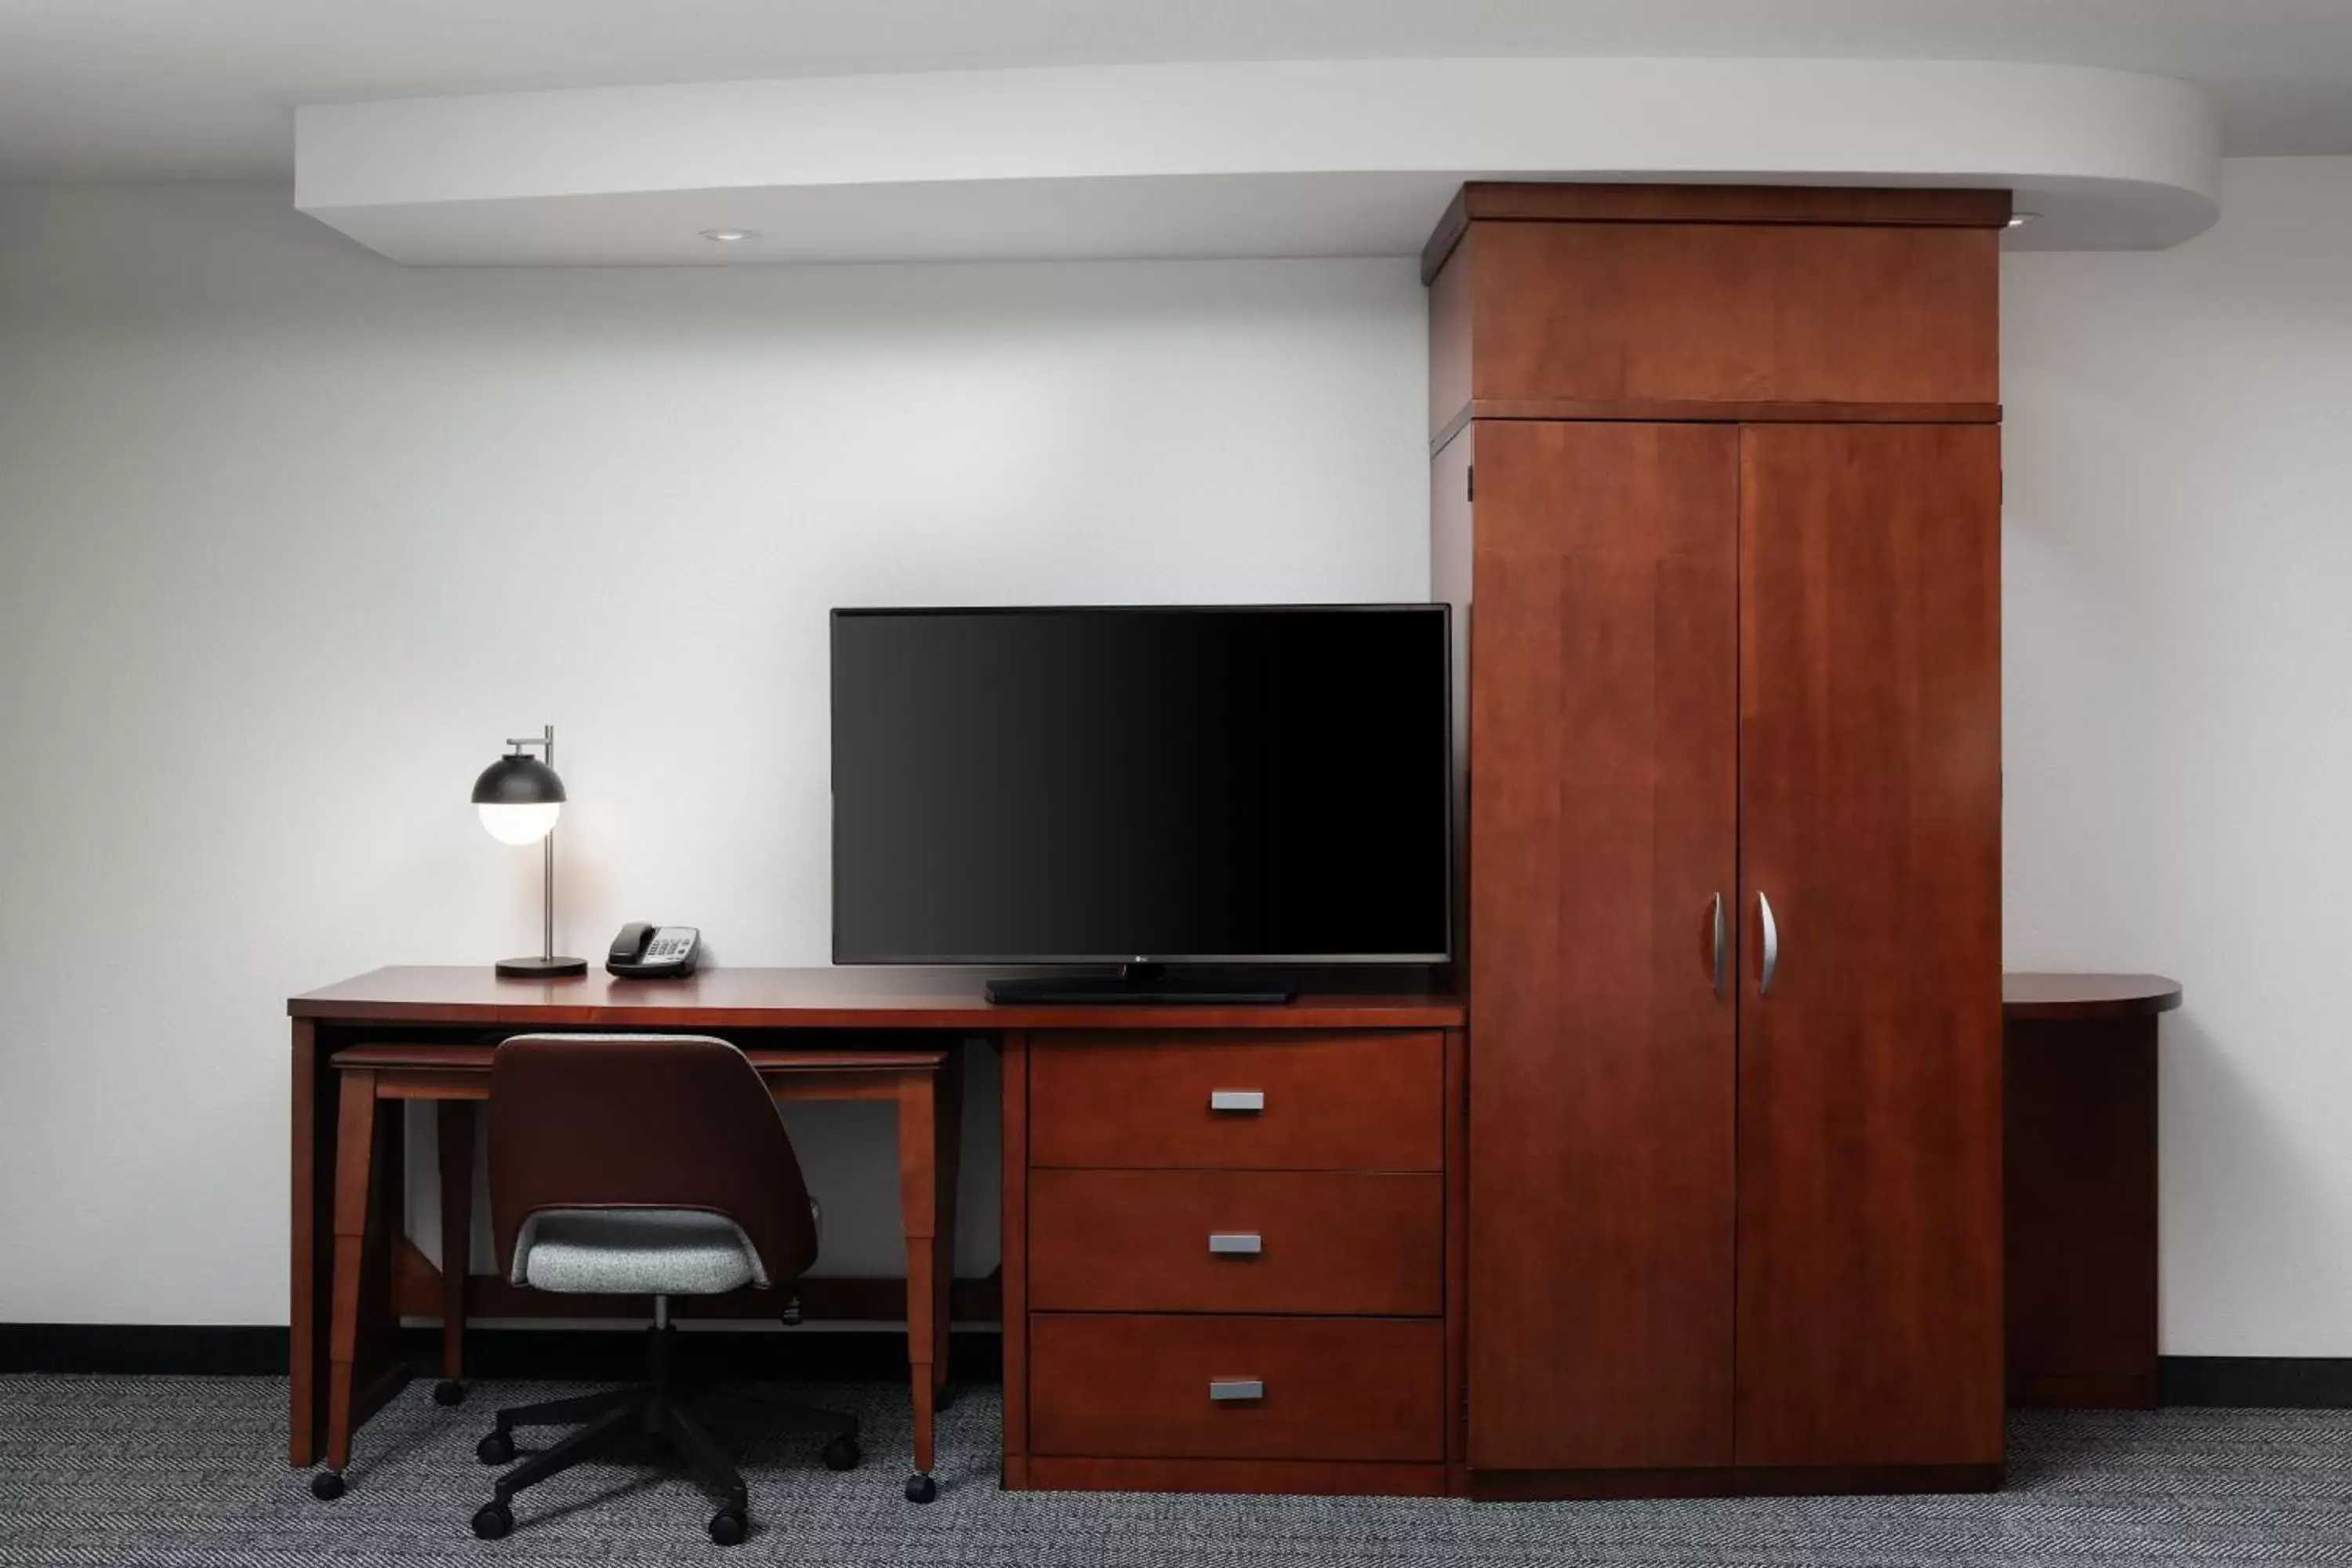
x: 1717, y: 486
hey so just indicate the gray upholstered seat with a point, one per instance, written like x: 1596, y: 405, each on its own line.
x: 634, y: 1252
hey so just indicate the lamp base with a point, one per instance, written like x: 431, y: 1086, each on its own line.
x: 540, y: 968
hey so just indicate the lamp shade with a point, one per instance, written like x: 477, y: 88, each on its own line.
x: 519, y: 798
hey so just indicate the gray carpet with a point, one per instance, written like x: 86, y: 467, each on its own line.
x: 186, y: 1471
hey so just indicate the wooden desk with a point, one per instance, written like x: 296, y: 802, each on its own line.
x: 419, y: 1033
x: 923, y: 1084
x: 2080, y: 1186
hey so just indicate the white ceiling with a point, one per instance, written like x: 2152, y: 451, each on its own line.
x: 206, y: 89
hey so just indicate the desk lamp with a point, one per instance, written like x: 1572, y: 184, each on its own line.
x: 519, y: 798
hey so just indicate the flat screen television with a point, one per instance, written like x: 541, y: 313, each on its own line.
x: 1213, y: 788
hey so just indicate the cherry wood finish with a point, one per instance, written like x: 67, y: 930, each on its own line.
x: 1316, y: 1478
x: 309, y: 1231
x: 2080, y: 1183
x: 1603, y: 798
x: 1726, y: 451
x: 1457, y: 1261
x: 924, y: 1084
x: 1138, y: 1387
x: 1736, y: 1480
x: 1720, y: 312
x: 1870, y: 1245
x: 1843, y: 206
x: 1014, y: 1139
x: 428, y: 1034
x: 850, y: 998
x: 2055, y: 998
x: 1334, y: 1103
x: 1117, y: 1316
x: 419, y: 1290
x: 453, y: 1134
x: 1698, y: 411
x: 1334, y: 1242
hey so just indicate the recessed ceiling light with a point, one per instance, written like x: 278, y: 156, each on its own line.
x: 2016, y: 220
x: 729, y: 235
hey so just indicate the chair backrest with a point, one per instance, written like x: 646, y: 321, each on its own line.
x: 644, y: 1122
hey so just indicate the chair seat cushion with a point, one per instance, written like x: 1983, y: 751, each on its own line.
x: 634, y: 1252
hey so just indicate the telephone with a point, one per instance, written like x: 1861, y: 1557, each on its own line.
x: 647, y: 951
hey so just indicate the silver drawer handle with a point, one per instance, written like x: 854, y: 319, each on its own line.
x: 1237, y: 1243
x: 1232, y: 1388
x: 1248, y: 1100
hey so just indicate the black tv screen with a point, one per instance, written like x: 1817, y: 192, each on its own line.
x: 1148, y: 784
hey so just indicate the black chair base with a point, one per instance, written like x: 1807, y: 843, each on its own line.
x: 657, y: 1414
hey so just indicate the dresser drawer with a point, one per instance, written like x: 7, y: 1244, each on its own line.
x: 1236, y: 1241
x: 1237, y: 1388
x: 1265, y: 1101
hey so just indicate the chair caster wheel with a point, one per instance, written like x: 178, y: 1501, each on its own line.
x: 497, y: 1448
x: 841, y: 1453
x: 327, y: 1485
x: 921, y: 1489
x: 493, y: 1519
x: 728, y: 1527
x: 448, y: 1390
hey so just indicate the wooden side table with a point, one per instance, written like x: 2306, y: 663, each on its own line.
x: 2080, y: 1186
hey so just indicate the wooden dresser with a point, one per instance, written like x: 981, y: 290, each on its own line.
x: 1716, y: 493
x: 1233, y: 1259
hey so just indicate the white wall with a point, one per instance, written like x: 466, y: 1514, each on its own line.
x: 293, y: 537
x: 2179, y: 680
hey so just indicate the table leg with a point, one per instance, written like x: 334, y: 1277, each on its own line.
x: 948, y: 1132
x: 311, y: 1243
x: 918, y: 1216
x: 354, y: 1163
x: 454, y: 1133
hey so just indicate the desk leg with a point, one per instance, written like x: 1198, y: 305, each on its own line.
x: 311, y: 1242
x: 453, y: 1128
x: 354, y: 1163
x: 948, y: 1132
x: 918, y: 1163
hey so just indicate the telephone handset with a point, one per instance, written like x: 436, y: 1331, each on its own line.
x: 647, y: 951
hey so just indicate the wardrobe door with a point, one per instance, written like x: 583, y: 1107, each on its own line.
x: 1603, y: 784
x: 1870, y: 1302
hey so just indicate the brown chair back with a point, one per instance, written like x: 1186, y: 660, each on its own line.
x: 637, y: 1122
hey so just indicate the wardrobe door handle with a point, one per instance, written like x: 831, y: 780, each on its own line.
x: 1240, y: 1101
x: 1771, y: 946
x: 1722, y: 946
x: 1225, y: 1390
x: 1237, y: 1243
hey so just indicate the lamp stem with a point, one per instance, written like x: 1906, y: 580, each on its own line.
x: 546, y: 868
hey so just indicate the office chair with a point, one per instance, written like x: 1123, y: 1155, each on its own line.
x: 643, y: 1165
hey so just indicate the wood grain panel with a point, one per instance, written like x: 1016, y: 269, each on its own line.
x: 1336, y: 1388
x: 1668, y: 410
x: 850, y: 997
x: 2051, y: 999
x: 1013, y: 1249
x: 1333, y: 1242
x: 1634, y: 312
x: 1870, y: 1241
x: 1543, y: 202
x: 1334, y: 1102
x: 2080, y: 1198
x: 1604, y: 783
x: 1730, y: 1481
